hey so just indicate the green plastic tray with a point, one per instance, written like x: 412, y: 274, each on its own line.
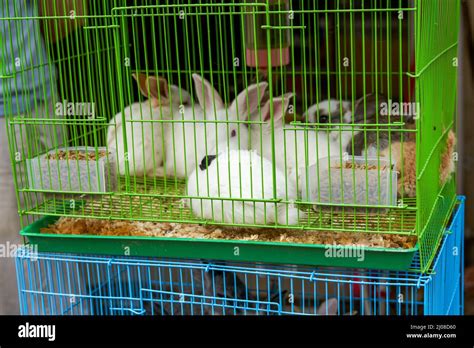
x: 270, y: 252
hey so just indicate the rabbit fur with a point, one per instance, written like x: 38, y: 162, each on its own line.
x: 188, y: 141
x: 145, y: 137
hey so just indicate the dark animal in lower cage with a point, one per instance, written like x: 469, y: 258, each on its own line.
x: 229, y: 290
x: 214, y: 292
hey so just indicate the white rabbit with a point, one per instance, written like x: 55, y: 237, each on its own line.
x: 296, y: 147
x: 239, y: 176
x: 145, y: 138
x: 201, y: 129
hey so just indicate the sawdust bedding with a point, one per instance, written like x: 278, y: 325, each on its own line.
x: 67, y: 225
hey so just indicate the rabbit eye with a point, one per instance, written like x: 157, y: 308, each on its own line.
x: 233, y: 133
x: 323, y: 119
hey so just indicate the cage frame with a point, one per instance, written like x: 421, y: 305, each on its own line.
x: 432, y: 208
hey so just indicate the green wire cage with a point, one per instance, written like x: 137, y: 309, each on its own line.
x: 315, y: 116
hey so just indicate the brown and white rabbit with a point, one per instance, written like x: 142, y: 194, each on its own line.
x: 145, y: 137
x: 404, y: 155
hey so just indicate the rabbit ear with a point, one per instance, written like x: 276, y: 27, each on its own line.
x: 248, y: 100
x: 206, y: 94
x: 328, y: 307
x: 179, y: 95
x: 280, y: 105
x: 151, y: 86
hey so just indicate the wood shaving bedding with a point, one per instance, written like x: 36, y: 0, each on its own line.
x: 67, y: 225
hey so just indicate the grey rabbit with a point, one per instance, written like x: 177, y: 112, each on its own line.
x: 372, y: 141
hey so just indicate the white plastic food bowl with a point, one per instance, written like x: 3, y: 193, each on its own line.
x: 66, y: 175
x: 357, y: 180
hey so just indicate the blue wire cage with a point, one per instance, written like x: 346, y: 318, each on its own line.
x: 64, y: 284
